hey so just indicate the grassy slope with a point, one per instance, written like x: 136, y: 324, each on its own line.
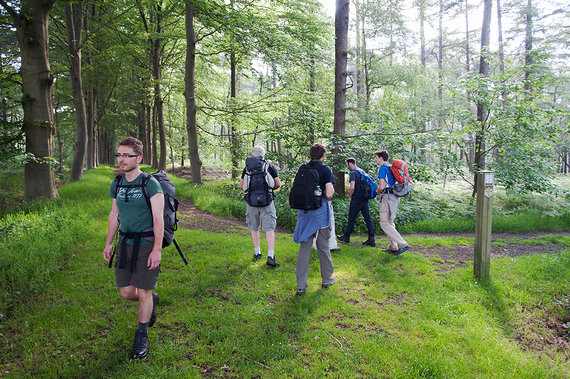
x: 227, y: 316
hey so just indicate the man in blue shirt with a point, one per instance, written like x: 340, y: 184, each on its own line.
x: 313, y: 221
x: 389, y: 204
x: 358, y: 203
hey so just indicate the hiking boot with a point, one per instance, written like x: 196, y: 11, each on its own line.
x: 300, y: 292
x: 140, y: 347
x: 153, y: 315
x: 396, y: 253
x: 256, y: 257
x: 342, y: 238
x: 369, y: 242
x: 327, y: 285
x: 272, y: 262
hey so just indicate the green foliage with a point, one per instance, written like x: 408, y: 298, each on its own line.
x: 37, y: 237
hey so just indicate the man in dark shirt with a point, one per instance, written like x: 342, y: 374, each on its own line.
x: 358, y: 203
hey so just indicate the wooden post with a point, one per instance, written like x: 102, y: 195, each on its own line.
x: 483, y: 223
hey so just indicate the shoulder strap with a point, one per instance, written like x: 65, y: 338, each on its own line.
x: 144, y: 182
x: 118, y: 179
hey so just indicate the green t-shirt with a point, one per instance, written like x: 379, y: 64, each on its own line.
x: 135, y: 214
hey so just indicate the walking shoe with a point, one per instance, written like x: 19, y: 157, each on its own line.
x: 369, y: 242
x: 272, y: 262
x: 140, y: 347
x: 342, y: 238
x: 256, y: 257
x: 390, y: 251
x: 335, y: 249
x: 327, y: 285
x: 300, y: 292
x: 153, y: 315
x: 401, y: 250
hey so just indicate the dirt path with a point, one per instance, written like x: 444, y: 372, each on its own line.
x: 193, y: 218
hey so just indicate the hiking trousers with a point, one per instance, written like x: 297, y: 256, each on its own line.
x: 325, y: 258
x: 388, y: 226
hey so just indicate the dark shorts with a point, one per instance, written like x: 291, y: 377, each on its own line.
x: 141, y: 277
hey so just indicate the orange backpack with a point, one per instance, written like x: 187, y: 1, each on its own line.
x: 402, y: 186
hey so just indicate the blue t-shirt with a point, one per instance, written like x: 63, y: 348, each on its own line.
x: 386, y: 174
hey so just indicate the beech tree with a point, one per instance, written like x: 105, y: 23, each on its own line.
x: 31, y: 23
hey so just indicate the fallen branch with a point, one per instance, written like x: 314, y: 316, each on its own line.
x: 261, y: 364
x: 334, y: 339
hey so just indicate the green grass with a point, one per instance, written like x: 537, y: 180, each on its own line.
x: 225, y: 315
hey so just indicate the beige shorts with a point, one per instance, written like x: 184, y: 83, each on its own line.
x: 141, y: 277
x: 264, y: 217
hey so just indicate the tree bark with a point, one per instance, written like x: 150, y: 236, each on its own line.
x: 190, y: 95
x: 482, y: 112
x: 74, y: 21
x: 340, y: 74
x: 158, y: 102
x: 37, y: 86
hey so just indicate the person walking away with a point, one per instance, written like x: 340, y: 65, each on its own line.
x: 333, y: 244
x: 388, y: 204
x: 358, y: 204
x: 312, y: 221
x: 260, y: 207
x: 138, y: 259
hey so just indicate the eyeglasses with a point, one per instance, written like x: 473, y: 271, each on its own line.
x: 125, y: 156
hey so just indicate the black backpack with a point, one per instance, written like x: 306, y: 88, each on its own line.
x: 258, y: 183
x: 306, y: 193
x: 170, y: 209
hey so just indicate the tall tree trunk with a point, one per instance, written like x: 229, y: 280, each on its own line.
x: 359, y: 56
x: 90, y: 161
x: 340, y: 74
x: 74, y: 21
x: 37, y: 86
x: 422, y: 5
x: 234, y: 142
x: 158, y: 102
x: 482, y: 112
x: 529, y: 68
x: 190, y: 95
x: 440, y: 67
x: 470, y: 156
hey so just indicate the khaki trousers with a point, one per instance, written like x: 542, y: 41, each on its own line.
x: 388, y: 226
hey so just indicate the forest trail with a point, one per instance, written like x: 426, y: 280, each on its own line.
x: 511, y: 244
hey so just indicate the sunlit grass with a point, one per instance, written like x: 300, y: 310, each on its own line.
x: 225, y: 315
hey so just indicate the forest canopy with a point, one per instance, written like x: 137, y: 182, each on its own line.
x: 452, y: 87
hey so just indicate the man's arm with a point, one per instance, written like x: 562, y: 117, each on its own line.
x: 351, y: 189
x: 329, y: 191
x: 112, y: 231
x: 277, y: 183
x: 381, y: 185
x: 241, y: 184
x: 157, y: 206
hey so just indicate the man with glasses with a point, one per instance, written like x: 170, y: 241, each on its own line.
x: 137, y: 267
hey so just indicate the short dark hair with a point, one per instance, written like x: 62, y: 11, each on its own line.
x: 383, y: 154
x: 351, y: 160
x: 133, y: 143
x: 317, y: 151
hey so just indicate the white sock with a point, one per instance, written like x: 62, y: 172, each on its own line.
x: 270, y: 253
x: 257, y: 250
